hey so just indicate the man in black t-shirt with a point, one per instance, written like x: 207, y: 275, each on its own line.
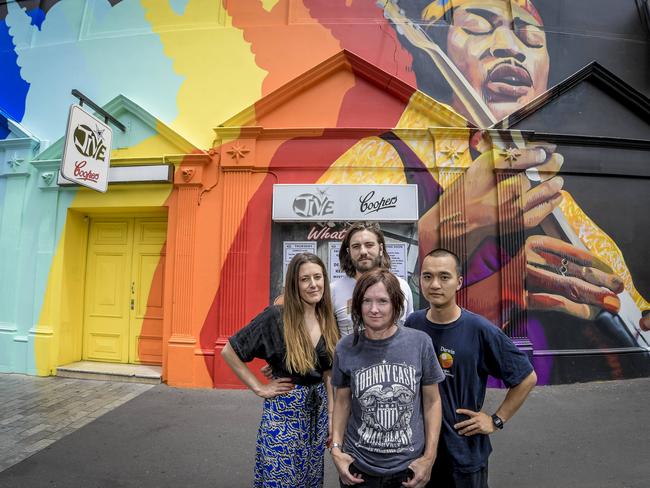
x: 469, y: 348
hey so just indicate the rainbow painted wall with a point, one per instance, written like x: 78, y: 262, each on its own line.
x: 458, y: 98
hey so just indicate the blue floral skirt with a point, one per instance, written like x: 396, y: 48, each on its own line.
x: 291, y: 439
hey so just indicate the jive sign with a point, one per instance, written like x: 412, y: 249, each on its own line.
x: 87, y: 149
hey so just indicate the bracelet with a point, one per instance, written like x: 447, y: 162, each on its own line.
x: 334, y: 445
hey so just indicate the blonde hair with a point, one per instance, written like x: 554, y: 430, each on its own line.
x: 301, y: 356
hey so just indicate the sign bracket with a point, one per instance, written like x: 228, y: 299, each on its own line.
x: 83, y: 98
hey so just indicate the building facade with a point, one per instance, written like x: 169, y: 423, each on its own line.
x: 516, y: 133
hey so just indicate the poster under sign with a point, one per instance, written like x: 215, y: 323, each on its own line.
x: 86, y: 150
x: 291, y: 248
x: 334, y: 265
x: 397, y: 253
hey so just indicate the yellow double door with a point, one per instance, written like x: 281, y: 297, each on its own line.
x: 123, y: 303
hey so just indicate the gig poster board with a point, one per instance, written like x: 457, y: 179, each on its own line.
x: 334, y: 265
x: 397, y: 253
x: 291, y: 248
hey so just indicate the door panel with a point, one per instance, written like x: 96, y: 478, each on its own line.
x: 148, y: 278
x: 106, y: 312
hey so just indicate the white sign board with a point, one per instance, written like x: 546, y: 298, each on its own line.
x: 396, y: 251
x: 141, y: 173
x: 291, y: 248
x: 319, y: 203
x: 87, y: 150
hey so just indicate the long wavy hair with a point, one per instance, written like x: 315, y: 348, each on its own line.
x: 344, y: 253
x: 301, y: 356
x: 393, y: 288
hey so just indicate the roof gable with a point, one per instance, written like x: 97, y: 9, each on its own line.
x: 592, y: 102
x: 374, y: 99
x: 10, y: 129
x: 146, y: 137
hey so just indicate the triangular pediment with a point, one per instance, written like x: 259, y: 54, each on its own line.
x: 146, y: 138
x: 346, y: 91
x: 593, y: 102
x: 10, y: 129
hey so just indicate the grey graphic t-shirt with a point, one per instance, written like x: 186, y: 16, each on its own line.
x: 385, y: 431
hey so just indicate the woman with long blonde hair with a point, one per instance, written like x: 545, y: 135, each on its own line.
x: 297, y: 340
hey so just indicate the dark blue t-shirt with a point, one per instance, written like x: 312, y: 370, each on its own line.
x: 469, y: 349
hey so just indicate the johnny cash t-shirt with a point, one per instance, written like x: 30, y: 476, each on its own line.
x: 385, y: 430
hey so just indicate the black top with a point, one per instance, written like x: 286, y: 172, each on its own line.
x: 263, y: 338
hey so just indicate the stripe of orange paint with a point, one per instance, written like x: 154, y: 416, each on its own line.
x: 286, y: 40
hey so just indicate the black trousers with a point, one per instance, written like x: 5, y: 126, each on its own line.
x: 444, y: 476
x: 373, y: 481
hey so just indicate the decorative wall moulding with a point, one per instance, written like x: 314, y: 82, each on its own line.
x: 47, y: 180
x: 187, y: 174
x: 238, y: 152
x: 13, y: 167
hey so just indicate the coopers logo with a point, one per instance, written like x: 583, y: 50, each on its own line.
x: 310, y: 205
x: 370, y: 205
x: 86, y: 175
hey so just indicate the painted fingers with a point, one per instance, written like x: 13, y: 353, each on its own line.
x: 562, y: 278
x: 534, y: 202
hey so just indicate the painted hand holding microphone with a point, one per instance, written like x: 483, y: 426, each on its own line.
x: 562, y: 274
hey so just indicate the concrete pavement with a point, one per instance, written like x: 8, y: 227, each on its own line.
x: 585, y: 435
x: 35, y: 412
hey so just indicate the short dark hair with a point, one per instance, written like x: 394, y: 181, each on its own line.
x: 441, y: 252
x: 367, y: 280
x: 344, y: 253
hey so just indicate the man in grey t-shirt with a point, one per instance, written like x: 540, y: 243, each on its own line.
x: 363, y: 249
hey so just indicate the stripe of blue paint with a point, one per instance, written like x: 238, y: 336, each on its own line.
x: 119, y: 55
x: 14, y: 88
x: 4, y: 127
x: 38, y: 16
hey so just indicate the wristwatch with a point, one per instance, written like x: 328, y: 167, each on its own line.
x: 336, y: 444
x: 496, y: 420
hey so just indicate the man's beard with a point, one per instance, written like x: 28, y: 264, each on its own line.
x: 367, y: 265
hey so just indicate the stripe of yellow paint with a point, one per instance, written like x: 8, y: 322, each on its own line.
x: 156, y: 147
x: 216, y: 62
x: 269, y: 4
x: 370, y: 152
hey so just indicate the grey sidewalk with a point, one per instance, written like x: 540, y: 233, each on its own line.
x: 587, y: 435
x: 35, y: 412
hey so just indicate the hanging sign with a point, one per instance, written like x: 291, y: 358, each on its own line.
x: 87, y: 150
